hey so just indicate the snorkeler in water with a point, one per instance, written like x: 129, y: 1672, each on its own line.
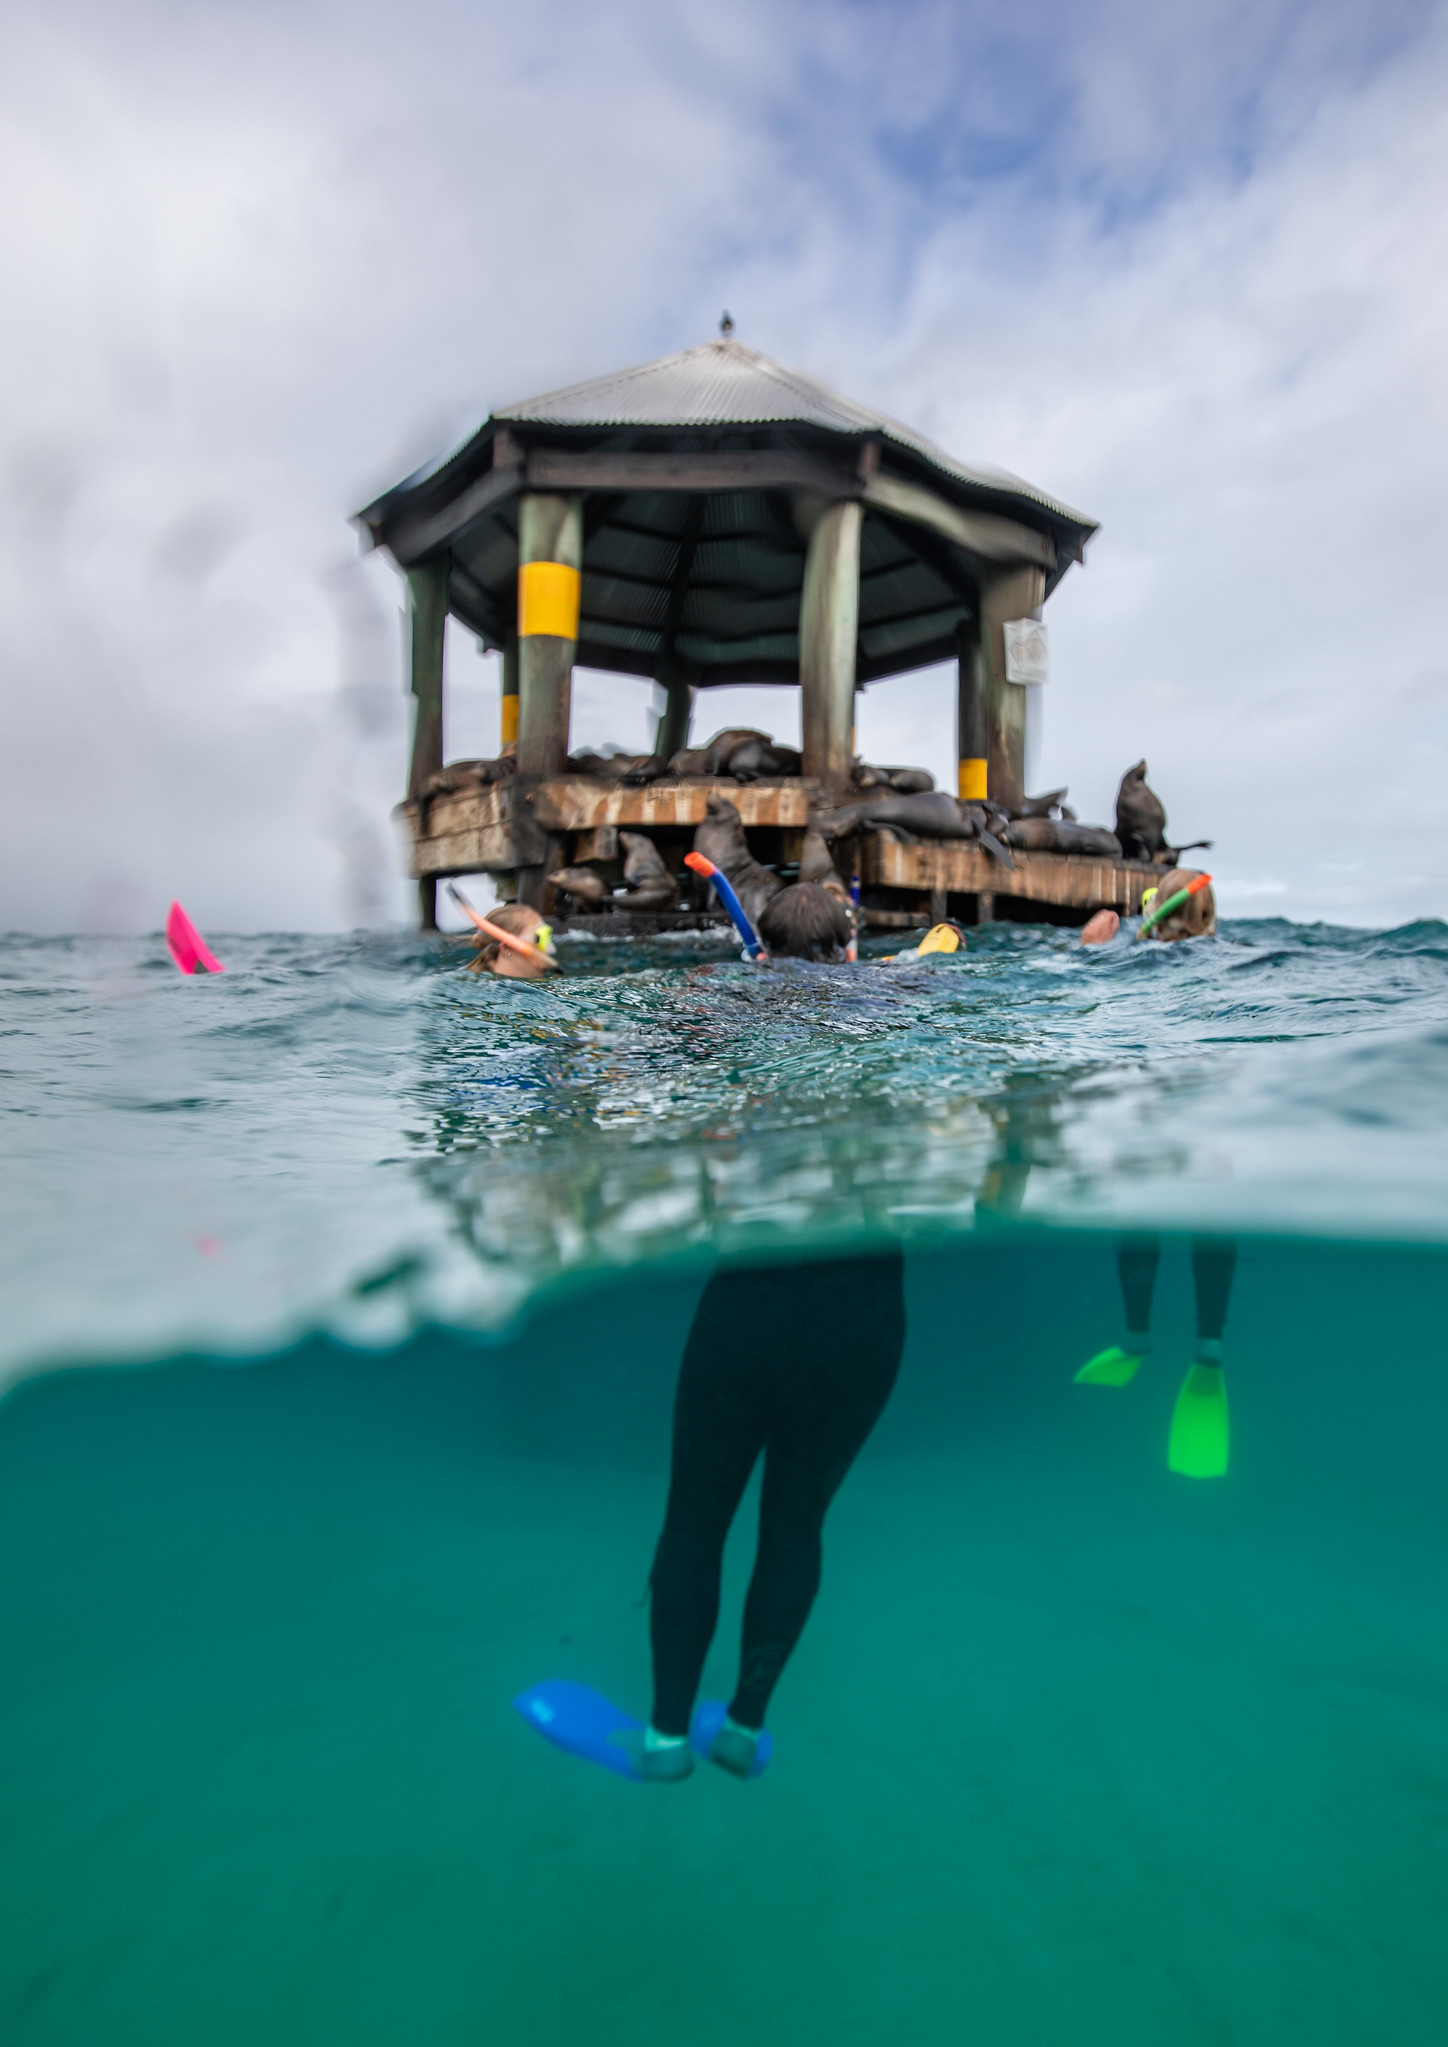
x: 793, y: 1363
x: 514, y: 943
x: 1198, y: 1443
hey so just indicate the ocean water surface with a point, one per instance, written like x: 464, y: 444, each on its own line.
x: 345, y: 1295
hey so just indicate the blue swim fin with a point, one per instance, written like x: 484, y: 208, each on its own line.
x: 709, y: 1716
x: 583, y: 1721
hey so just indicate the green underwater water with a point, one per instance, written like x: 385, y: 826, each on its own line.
x: 1072, y: 1747
x: 343, y: 1342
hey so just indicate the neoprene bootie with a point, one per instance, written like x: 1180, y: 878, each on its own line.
x: 734, y: 1749
x: 664, y: 1759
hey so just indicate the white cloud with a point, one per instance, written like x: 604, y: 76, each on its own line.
x: 262, y: 263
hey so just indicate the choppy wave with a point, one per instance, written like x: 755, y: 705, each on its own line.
x: 357, y: 1134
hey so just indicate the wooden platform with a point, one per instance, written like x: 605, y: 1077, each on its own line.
x: 1039, y: 884
x: 571, y: 817
x: 480, y: 831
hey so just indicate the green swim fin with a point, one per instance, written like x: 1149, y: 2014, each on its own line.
x: 1198, y: 1444
x: 1114, y: 1367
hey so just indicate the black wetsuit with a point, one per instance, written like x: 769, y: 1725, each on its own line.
x: 1214, y: 1260
x: 796, y: 1361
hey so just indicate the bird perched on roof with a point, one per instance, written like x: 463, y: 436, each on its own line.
x: 726, y: 325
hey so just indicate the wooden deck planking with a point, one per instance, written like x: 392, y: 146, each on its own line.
x: 1071, y: 880
x: 471, y: 831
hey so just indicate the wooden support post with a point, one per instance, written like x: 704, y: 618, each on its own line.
x: 508, y: 704
x: 972, y: 785
x: 985, y: 907
x: 550, y: 559
x: 427, y: 592
x: 673, y: 730
x: 550, y: 562
x: 829, y: 617
x: 1006, y: 594
x: 427, y: 903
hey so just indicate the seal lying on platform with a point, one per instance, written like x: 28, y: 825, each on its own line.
x: 761, y: 760
x: 650, y: 884
x: 1053, y: 835
x: 585, y: 885
x: 720, y: 838
x: 714, y: 758
x: 932, y: 815
x: 806, y: 922
x: 468, y: 775
x: 904, y: 781
x: 632, y: 769
x: 747, y: 755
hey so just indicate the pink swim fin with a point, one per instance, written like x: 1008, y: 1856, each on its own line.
x: 186, y: 945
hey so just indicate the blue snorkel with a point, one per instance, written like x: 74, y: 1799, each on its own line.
x: 731, y: 903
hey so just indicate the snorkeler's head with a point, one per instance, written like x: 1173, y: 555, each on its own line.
x: 520, y: 922
x: 805, y: 922
x: 1196, y: 916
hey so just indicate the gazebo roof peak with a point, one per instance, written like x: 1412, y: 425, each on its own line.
x: 724, y: 383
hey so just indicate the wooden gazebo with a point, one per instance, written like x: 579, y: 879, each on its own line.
x: 715, y: 518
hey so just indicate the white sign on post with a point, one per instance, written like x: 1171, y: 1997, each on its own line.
x: 1027, y: 654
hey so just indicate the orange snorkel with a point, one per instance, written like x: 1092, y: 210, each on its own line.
x: 521, y: 946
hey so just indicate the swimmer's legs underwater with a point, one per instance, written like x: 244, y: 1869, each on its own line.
x: 1137, y: 1259
x: 1199, y: 1436
x: 1199, y: 1440
x: 794, y: 1362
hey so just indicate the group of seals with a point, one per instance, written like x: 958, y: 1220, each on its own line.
x: 901, y: 802
x: 930, y: 814
x: 740, y: 751
x: 743, y: 754
x: 648, y: 882
x: 634, y: 770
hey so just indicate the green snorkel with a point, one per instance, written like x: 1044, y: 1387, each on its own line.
x: 1161, y: 911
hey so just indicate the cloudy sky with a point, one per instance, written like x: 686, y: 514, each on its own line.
x: 1182, y: 267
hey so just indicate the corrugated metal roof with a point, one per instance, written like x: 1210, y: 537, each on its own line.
x: 723, y: 383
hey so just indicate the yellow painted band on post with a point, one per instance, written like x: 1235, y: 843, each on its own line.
x: 548, y: 600
x: 973, y: 782
x: 510, y: 720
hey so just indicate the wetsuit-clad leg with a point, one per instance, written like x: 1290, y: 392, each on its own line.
x: 1137, y: 1258
x: 795, y: 1362
x: 1214, y: 1261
